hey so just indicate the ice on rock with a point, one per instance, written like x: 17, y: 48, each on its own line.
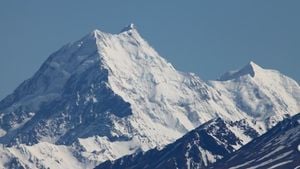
x: 275, y: 149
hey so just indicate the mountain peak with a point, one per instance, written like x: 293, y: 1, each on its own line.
x: 253, y: 65
x: 128, y: 28
x: 250, y: 69
x: 98, y: 33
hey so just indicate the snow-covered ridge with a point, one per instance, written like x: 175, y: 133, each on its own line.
x: 275, y: 149
x: 198, y: 148
x: 116, y: 89
x: 262, y: 93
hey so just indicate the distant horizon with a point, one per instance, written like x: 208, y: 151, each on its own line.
x: 204, y: 38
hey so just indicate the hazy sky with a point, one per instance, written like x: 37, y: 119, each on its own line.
x: 205, y: 37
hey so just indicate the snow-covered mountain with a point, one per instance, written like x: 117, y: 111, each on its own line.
x: 198, y: 148
x: 278, y: 148
x: 266, y: 95
x: 116, y: 81
x: 109, y: 95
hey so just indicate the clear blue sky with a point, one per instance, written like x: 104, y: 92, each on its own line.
x: 205, y: 37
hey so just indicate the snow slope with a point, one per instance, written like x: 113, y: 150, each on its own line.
x: 109, y: 95
x: 41, y: 155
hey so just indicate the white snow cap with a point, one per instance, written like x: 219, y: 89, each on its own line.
x: 251, y: 69
x: 128, y: 28
x: 254, y: 66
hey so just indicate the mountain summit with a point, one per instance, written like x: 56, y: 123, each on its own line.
x: 107, y: 89
x: 129, y: 27
x: 108, y: 95
x: 250, y: 69
x: 264, y: 94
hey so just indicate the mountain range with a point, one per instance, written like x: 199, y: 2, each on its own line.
x: 110, y: 95
x: 213, y: 141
